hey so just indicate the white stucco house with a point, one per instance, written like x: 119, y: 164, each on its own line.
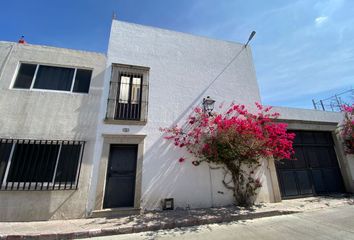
x: 95, y: 119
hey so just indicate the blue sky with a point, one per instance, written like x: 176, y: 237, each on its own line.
x: 303, y: 49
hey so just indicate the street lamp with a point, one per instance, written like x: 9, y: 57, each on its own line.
x: 250, y: 37
x: 208, y: 105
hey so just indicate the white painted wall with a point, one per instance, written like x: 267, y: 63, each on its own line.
x: 183, y: 70
x: 299, y: 114
x: 350, y: 158
x: 48, y: 115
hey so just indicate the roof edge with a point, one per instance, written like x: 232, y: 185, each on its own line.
x: 53, y: 47
x: 178, y: 32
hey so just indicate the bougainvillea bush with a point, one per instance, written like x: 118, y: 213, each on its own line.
x: 347, y: 128
x: 235, y: 140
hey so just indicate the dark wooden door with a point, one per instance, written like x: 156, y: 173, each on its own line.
x: 316, y: 170
x: 121, y: 172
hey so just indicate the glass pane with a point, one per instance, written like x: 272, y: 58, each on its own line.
x: 54, y: 78
x: 124, y: 89
x: 135, y: 98
x: 68, y: 163
x: 25, y: 75
x: 82, y: 81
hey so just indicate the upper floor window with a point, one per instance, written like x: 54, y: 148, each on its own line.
x: 36, y: 76
x: 128, y: 93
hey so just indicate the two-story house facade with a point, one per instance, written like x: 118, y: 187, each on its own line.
x: 49, y: 103
x: 80, y: 131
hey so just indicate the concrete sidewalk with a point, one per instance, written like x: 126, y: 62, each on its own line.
x: 327, y: 224
x: 151, y: 221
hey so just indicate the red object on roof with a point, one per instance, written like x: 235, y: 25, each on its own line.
x: 22, y: 40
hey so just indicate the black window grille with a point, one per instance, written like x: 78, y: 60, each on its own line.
x: 126, y: 97
x: 40, y: 164
x: 128, y: 102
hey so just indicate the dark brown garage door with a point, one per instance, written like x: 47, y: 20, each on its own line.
x: 316, y: 170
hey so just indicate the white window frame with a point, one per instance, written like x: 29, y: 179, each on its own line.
x: 48, y: 90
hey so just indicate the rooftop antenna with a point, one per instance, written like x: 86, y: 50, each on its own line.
x: 250, y: 37
x: 114, y: 16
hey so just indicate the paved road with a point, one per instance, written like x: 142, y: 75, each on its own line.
x: 332, y: 223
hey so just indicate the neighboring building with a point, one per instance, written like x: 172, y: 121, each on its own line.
x: 151, y: 78
x: 49, y: 101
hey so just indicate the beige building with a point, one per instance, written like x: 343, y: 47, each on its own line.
x: 49, y: 102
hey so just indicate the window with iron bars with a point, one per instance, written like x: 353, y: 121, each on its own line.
x: 40, y: 164
x: 128, y: 93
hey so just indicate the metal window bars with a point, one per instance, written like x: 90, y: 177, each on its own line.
x: 126, y: 99
x: 27, y: 164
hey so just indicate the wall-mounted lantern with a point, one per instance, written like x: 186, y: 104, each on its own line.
x: 208, y: 105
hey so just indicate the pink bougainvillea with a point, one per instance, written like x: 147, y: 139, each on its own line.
x: 347, y: 128
x: 236, y: 139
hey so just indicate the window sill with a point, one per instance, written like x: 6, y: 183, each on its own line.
x: 38, y: 90
x: 22, y: 188
x: 125, y: 122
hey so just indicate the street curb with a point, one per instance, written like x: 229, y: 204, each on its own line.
x: 169, y: 224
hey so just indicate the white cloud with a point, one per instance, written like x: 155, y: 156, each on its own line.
x: 319, y: 21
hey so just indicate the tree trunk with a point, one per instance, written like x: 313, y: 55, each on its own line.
x: 242, y: 187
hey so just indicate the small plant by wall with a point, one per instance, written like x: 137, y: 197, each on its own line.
x: 235, y: 140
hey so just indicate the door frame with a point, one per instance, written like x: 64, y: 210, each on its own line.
x: 111, y: 139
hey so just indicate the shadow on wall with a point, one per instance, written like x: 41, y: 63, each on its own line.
x: 85, y: 129
x: 190, y: 186
x: 89, y: 109
x: 165, y: 177
x: 204, y: 91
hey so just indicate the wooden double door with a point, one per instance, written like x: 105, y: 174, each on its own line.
x: 315, y: 171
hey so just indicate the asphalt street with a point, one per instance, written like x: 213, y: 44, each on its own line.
x: 329, y: 223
